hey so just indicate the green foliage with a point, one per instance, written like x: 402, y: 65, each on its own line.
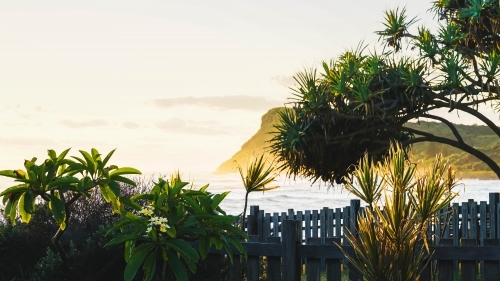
x: 60, y: 182
x: 257, y: 178
x: 165, y: 218
x: 401, y: 205
x: 361, y: 101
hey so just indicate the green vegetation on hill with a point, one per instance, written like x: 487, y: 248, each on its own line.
x: 480, y: 137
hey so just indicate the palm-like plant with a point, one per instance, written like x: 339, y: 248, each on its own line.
x: 257, y: 178
x: 387, y: 241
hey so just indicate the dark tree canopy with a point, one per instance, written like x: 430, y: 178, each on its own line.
x: 360, y: 101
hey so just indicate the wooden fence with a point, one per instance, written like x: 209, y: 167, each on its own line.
x: 284, y: 257
x: 465, y: 242
x: 459, y: 221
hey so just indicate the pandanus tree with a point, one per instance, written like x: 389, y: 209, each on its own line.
x: 360, y: 101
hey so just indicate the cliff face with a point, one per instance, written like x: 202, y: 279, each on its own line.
x: 257, y: 144
x: 481, y: 137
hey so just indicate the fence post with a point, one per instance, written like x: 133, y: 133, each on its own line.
x: 491, y: 269
x: 445, y: 267
x: 469, y: 267
x: 253, y: 263
x: 290, y: 260
x: 333, y: 267
x: 273, y: 263
x: 313, y: 266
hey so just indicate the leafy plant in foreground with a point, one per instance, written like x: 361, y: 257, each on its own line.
x: 390, y: 242
x: 164, y: 220
x: 61, y: 182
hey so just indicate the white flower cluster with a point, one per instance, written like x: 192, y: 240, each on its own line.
x: 154, y: 221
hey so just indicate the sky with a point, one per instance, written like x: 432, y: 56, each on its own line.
x: 169, y: 84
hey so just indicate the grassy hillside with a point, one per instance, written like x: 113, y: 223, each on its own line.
x: 480, y: 137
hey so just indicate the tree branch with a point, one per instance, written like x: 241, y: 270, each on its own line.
x: 474, y: 113
x: 448, y: 123
x: 462, y: 146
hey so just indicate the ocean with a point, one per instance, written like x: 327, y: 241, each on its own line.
x: 299, y: 194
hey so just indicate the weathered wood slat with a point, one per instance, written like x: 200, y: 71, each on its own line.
x: 290, y: 260
x: 338, y: 222
x: 445, y: 267
x: 314, y: 219
x: 491, y: 268
x: 474, y: 225
x: 469, y: 266
x: 465, y: 220
x: 493, y: 201
x: 253, y: 263
x: 313, y: 268
x: 276, y: 224
x: 333, y: 266
x: 273, y: 263
x: 267, y: 226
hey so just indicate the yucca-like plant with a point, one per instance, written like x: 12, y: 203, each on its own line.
x: 259, y: 175
x: 390, y: 242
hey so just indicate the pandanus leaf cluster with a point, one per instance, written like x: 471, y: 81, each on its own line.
x: 390, y: 241
x: 160, y: 225
x: 360, y: 101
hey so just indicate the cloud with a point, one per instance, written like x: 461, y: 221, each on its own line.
x: 91, y: 123
x: 284, y: 80
x: 176, y: 125
x: 240, y: 102
x: 130, y: 125
x: 27, y: 142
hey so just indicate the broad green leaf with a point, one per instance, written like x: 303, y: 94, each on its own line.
x: 83, y: 162
x: 145, y: 196
x: 125, y: 171
x: 8, y: 173
x: 123, y: 179
x: 183, y: 248
x: 15, y: 188
x: 106, y: 159
x: 90, y: 162
x: 218, y: 198
x: 29, y: 202
x: 25, y: 216
x: 127, y: 201
x: 105, y: 192
x: 150, y: 266
x: 62, y: 155
x: 95, y: 154
x: 114, y: 187
x: 58, y: 209
x: 62, y: 181
x: 176, y: 266
x: 136, y: 261
x: 192, y: 203
x: 13, y: 209
x: 203, y: 246
x: 52, y: 154
x: 177, y: 188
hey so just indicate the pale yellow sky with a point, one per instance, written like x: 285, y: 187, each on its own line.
x: 171, y: 84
